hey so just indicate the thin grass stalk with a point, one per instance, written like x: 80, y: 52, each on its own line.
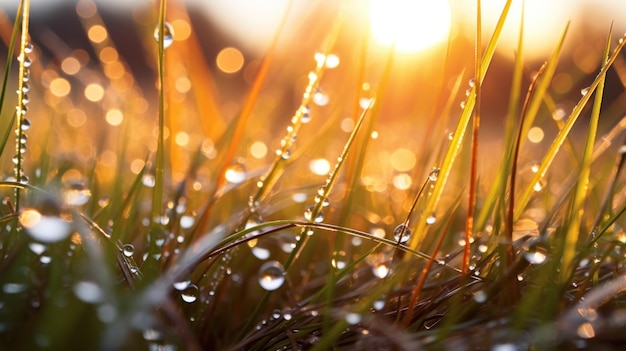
x: 457, y: 139
x: 498, y: 187
x: 248, y: 107
x: 22, y: 89
x: 563, y: 133
x: 580, y: 194
x: 514, y: 160
x: 7, y: 68
x: 469, y: 223
x: 324, y: 191
x: 157, y: 193
x: 417, y: 288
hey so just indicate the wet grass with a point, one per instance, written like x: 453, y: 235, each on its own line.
x: 153, y: 233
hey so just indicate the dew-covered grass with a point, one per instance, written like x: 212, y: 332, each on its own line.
x: 302, y: 214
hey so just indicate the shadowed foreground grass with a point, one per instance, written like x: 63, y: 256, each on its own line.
x: 133, y: 223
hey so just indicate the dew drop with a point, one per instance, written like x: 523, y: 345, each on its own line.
x: 37, y: 248
x: 306, y: 114
x: 236, y: 173
x: 128, y: 250
x: 88, y: 292
x: 168, y: 35
x: 13, y: 288
x: 586, y: 331
x: 480, y: 296
x: 320, y: 98
x: 339, y: 259
x: 25, y: 124
x: 187, y: 222
x: 46, y: 229
x: 190, y: 294
x: 260, y: 248
x: 462, y: 105
x: 76, y: 194
x: 431, y: 219
x: 148, y: 180
x: 353, y: 318
x: 402, y: 233
x: 181, y: 285
x: 472, y: 82
x: 379, y: 304
x: 381, y: 269
x: 535, y: 254
x: 323, y: 200
x: 286, y: 154
x: 271, y: 275
x: 309, y: 216
x: 584, y: 91
x: 434, y: 174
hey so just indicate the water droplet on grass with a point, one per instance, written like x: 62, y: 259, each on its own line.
x: 148, y: 180
x: 402, y: 233
x: 339, y: 259
x: 76, y: 194
x: 434, y: 174
x: 535, y: 254
x: 190, y: 294
x: 320, y: 98
x: 271, y: 275
x: 181, y: 285
x: 480, y: 296
x: 236, y: 173
x: 431, y: 219
x: 13, y: 288
x: 128, y: 250
x: 187, y: 222
x: 25, y: 124
x: 260, y: 248
x: 584, y: 91
x: 168, y: 35
x: 353, y: 318
x: 381, y: 269
x: 308, y: 215
x: 37, y: 248
x: 46, y: 229
x: 88, y: 292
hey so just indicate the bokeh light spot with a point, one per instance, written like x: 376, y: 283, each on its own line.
x: 229, y: 60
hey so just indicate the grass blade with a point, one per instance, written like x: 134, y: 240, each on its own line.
x: 580, y: 194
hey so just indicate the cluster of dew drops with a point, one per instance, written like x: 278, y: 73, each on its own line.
x: 21, y: 110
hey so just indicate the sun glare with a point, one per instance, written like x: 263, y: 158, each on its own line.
x: 412, y: 25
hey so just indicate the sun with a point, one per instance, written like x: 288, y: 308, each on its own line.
x: 410, y: 25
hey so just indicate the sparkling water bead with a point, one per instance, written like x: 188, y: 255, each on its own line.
x: 271, y: 275
x: 402, y: 233
x: 168, y: 35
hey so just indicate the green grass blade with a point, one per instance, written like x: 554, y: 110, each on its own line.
x: 563, y: 133
x: 580, y: 194
x: 459, y: 133
x: 498, y: 188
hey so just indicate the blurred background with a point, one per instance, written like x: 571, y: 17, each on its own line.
x: 96, y: 60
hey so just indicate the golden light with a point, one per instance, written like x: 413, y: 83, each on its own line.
x: 410, y: 25
x: 97, y: 33
x: 230, y: 60
x: 60, y: 87
x: 70, y: 65
x: 94, y: 92
x: 114, y: 117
